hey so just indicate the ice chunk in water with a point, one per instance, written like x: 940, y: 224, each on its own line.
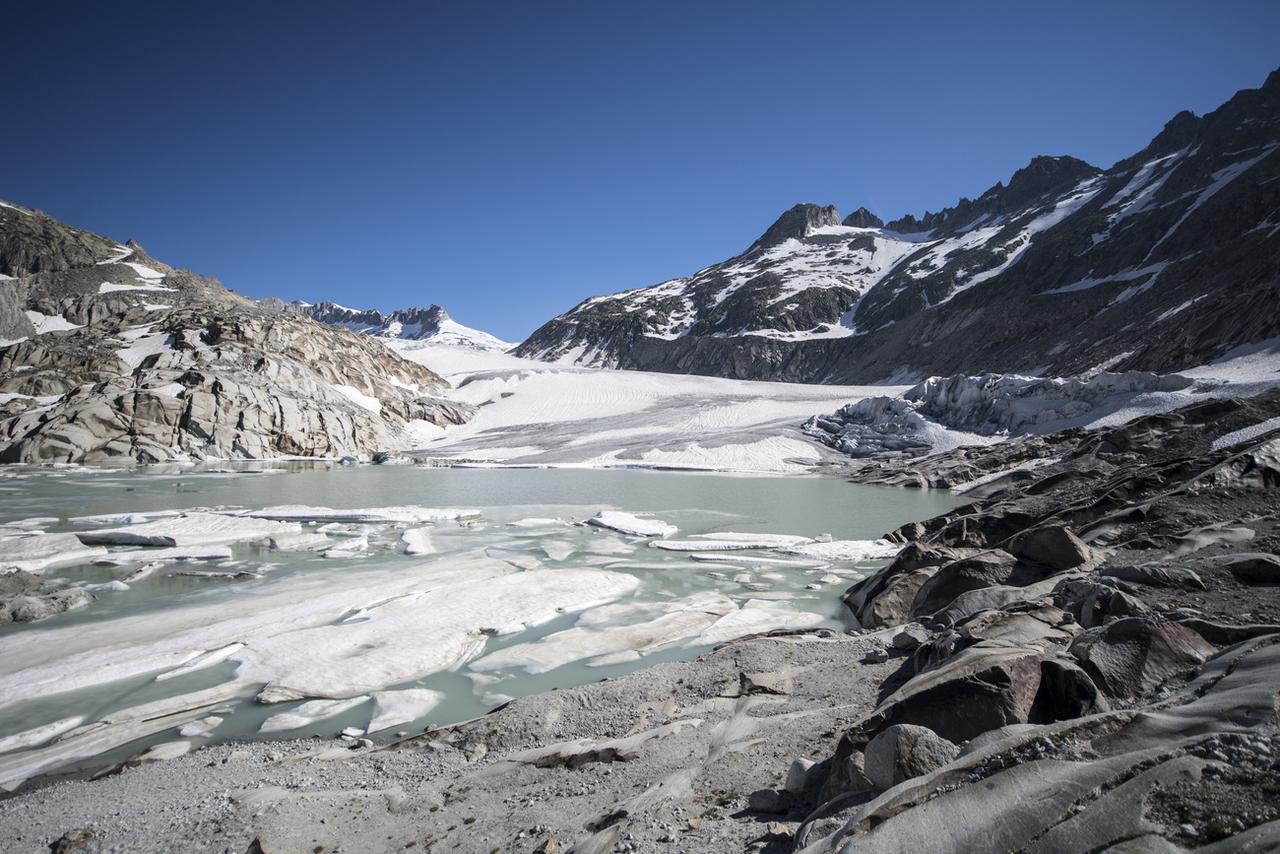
x: 626, y: 523
x: 852, y: 550
x: 119, y: 558
x: 38, y: 735
x: 410, y: 514
x: 755, y: 616
x: 593, y: 637
x: 310, y: 712
x: 730, y: 541
x: 417, y: 541
x: 394, y: 708
x: 42, y: 551
x: 191, y: 529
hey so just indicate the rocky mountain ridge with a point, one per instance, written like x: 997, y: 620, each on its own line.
x: 111, y: 354
x: 1163, y: 261
x: 432, y: 324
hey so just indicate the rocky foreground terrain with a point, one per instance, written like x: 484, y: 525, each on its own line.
x: 106, y: 353
x: 1161, y: 262
x: 1085, y: 657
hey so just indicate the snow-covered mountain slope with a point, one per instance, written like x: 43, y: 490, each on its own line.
x: 1167, y: 259
x: 432, y: 324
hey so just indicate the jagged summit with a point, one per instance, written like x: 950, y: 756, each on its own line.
x: 863, y: 218
x: 1041, y: 176
x: 796, y: 223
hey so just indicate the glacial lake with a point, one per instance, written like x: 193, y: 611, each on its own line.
x: 100, y: 662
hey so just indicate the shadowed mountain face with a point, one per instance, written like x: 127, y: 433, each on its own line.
x: 107, y: 353
x: 1167, y: 259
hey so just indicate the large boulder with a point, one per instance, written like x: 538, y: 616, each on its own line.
x: 1133, y: 656
x: 885, y: 597
x: 1154, y: 575
x: 1092, y: 603
x: 988, y: 569
x: 1053, y: 546
x: 1253, y: 567
x: 904, y: 751
x: 979, y: 688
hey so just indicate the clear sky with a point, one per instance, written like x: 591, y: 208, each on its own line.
x: 507, y: 160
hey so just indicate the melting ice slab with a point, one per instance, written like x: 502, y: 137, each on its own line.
x: 313, y: 637
x: 729, y: 541
x: 626, y: 523
x: 41, y: 551
x: 407, y: 514
x: 395, y: 708
x: 192, y: 529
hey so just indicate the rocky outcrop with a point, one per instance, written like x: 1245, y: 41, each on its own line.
x: 133, y: 359
x: 797, y: 223
x: 1098, y: 662
x: 1165, y: 261
x: 25, y: 598
x: 14, y: 323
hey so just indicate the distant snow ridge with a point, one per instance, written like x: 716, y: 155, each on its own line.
x: 986, y: 405
x: 432, y: 324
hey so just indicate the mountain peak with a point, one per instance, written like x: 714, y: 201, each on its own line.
x: 798, y: 222
x: 1043, y: 174
x: 863, y: 218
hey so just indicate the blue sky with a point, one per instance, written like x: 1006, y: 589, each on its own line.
x: 508, y: 160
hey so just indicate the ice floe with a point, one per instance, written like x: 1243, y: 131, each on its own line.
x: 728, y: 541
x: 417, y: 541
x: 627, y: 523
x: 191, y: 529
x: 42, y: 551
x: 406, y: 514
x: 166, y: 554
x: 38, y: 735
x: 396, y: 708
x: 200, y: 728
x: 754, y: 560
x: 756, y: 615
x: 851, y: 550
x: 310, y: 712
x: 660, y: 624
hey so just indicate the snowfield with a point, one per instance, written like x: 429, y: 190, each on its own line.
x: 533, y: 413
x: 542, y: 414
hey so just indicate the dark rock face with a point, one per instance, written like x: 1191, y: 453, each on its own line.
x: 797, y: 223
x: 863, y: 218
x: 1166, y: 260
x: 146, y: 362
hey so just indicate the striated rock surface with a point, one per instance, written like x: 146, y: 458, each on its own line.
x: 128, y: 358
